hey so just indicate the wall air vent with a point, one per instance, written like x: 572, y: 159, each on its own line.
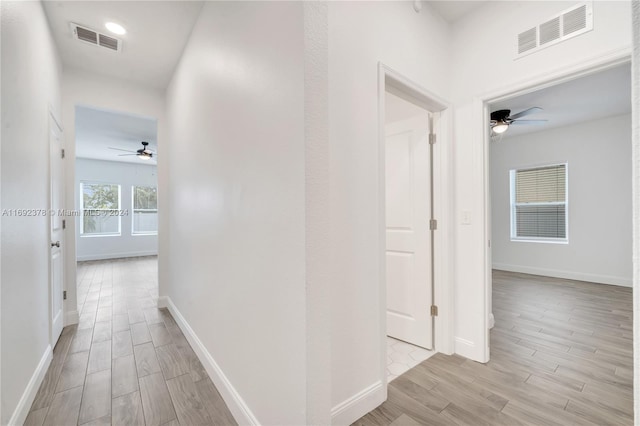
x: 89, y: 36
x: 528, y: 40
x: 550, y: 31
x: 568, y: 24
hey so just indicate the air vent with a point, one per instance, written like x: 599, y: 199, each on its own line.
x: 528, y: 40
x: 574, y: 20
x: 87, y: 35
x: 108, y: 42
x: 568, y: 24
x: 550, y: 31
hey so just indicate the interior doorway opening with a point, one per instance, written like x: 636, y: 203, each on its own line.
x: 415, y: 257
x: 115, y: 193
x: 559, y: 283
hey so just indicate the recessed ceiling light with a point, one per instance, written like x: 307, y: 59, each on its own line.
x: 115, y: 28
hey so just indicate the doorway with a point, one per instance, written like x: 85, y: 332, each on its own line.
x: 415, y: 259
x: 484, y: 105
x: 116, y: 198
x: 561, y: 289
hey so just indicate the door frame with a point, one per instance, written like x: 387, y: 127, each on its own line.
x: 54, y: 121
x: 481, y: 124
x: 392, y: 81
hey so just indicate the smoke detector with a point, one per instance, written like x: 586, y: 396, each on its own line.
x: 89, y: 36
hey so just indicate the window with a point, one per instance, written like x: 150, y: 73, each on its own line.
x: 539, y: 204
x: 145, y: 210
x: 100, y: 205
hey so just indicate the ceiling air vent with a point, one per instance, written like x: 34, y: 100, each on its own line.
x: 87, y: 35
x: 563, y: 26
x: 108, y: 42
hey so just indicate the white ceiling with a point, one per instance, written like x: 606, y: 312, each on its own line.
x: 157, y: 32
x: 592, y: 97
x: 452, y: 10
x: 97, y: 131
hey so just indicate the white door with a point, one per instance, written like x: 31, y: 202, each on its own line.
x: 408, y: 212
x: 56, y: 199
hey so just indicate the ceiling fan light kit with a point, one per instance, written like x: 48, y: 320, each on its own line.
x: 500, y: 127
x: 143, y: 153
x: 501, y: 119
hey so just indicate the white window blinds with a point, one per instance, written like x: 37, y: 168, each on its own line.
x: 539, y: 202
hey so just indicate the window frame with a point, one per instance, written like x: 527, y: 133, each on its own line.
x: 512, y: 206
x: 118, y: 210
x: 134, y: 210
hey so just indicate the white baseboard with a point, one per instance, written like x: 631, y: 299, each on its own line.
x: 71, y: 317
x: 84, y: 258
x: 238, y: 407
x: 29, y: 394
x: 359, y: 404
x: 467, y: 349
x: 569, y: 275
x: 163, y: 302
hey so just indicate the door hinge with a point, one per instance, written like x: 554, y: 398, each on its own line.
x: 432, y: 138
x: 434, y: 311
x: 62, y: 153
x: 433, y: 225
x: 64, y: 224
x: 64, y: 295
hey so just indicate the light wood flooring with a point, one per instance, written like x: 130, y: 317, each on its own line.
x: 126, y: 362
x: 561, y: 354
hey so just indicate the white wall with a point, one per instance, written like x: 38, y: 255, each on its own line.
x: 599, y: 193
x: 126, y: 175
x: 417, y: 46
x: 478, y: 71
x: 27, y: 94
x: 112, y: 94
x: 235, y: 110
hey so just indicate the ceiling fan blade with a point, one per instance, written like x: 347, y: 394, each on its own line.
x: 529, y: 121
x: 525, y: 112
x: 118, y: 149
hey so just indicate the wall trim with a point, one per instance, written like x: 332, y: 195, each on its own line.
x: 29, y: 394
x: 238, y: 407
x: 351, y: 409
x: 492, y: 320
x: 71, y: 317
x: 465, y: 348
x: 569, y: 275
x: 116, y: 255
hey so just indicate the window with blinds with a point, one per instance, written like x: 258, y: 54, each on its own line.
x: 539, y: 203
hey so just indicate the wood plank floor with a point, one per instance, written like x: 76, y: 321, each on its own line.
x: 561, y: 354
x: 126, y: 362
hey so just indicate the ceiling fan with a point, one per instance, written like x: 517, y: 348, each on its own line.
x: 501, y: 119
x: 143, y: 153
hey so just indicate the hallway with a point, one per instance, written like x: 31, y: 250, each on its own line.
x: 126, y: 362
